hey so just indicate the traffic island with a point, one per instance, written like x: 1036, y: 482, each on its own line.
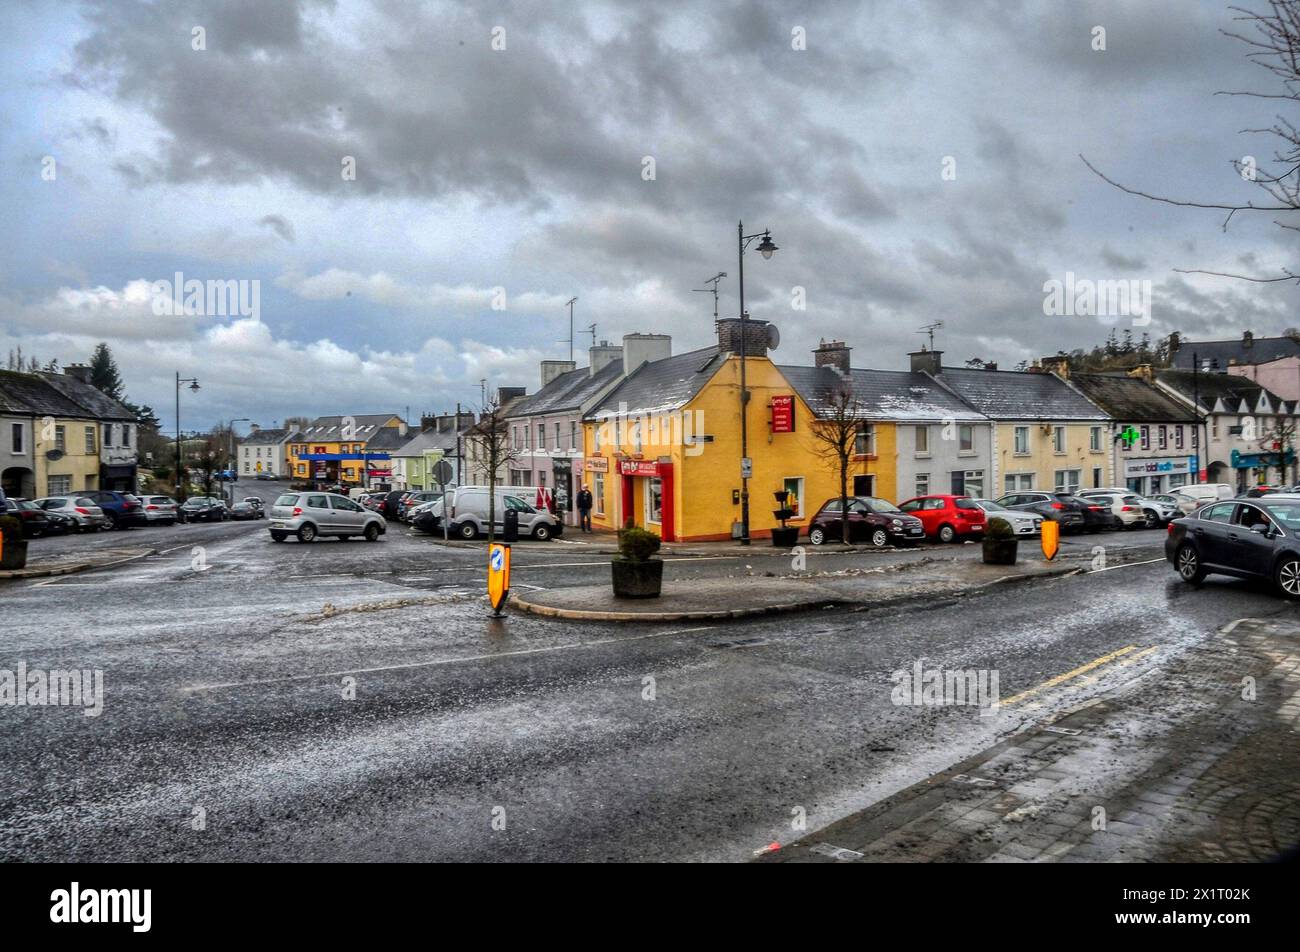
x: 768, y: 594
x: 76, y: 562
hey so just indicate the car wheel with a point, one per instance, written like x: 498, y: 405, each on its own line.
x: 947, y: 533
x: 880, y: 538
x: 278, y: 536
x: 467, y: 531
x: 1189, y: 565
x: 816, y: 535
x: 307, y: 533
x: 113, y: 522
x: 372, y: 532
x: 1152, y: 520
x: 542, y: 532
x: 1287, y: 576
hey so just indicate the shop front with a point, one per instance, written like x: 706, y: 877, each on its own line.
x: 647, y: 496
x: 1153, y: 475
x: 1253, y: 469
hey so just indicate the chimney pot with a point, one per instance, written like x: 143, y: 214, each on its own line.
x: 833, y: 354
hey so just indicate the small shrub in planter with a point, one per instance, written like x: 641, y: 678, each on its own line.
x: 1000, y: 543
x: 14, y: 554
x: 636, y: 572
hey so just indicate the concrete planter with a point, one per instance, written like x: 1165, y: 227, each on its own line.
x: 637, y: 579
x: 1000, y: 551
x: 785, y: 538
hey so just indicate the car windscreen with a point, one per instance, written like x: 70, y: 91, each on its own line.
x: 878, y: 505
x: 1287, y: 514
x: 288, y: 499
x: 989, y: 506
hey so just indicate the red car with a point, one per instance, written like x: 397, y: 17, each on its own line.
x: 947, y: 517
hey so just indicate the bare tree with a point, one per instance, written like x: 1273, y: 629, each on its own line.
x: 1273, y: 38
x: 837, y: 421
x: 489, y: 441
x: 1278, y: 437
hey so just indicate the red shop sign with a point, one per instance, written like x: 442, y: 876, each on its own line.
x: 635, y: 467
x: 783, y: 414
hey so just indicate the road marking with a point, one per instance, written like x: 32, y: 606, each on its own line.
x: 439, y: 661
x: 1061, y: 678
x: 1124, y: 565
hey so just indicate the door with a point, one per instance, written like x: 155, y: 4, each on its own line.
x: 348, y: 516
x: 1210, y: 533
x: 1248, y: 549
x: 829, y: 520
x: 317, y: 509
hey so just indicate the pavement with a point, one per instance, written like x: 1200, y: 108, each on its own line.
x: 69, y: 562
x: 766, y: 592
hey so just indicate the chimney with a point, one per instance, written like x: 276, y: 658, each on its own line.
x: 602, y: 355
x: 508, y: 395
x: 927, y: 361
x: 1057, y: 365
x: 834, y: 354
x: 759, y: 337
x: 80, y: 371
x: 1175, y: 342
x: 639, y: 348
x: 553, y: 368
x: 1247, y: 340
x: 402, y: 428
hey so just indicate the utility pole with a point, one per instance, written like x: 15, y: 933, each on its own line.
x: 572, y: 301
x: 713, y: 290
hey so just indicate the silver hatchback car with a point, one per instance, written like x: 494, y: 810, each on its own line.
x: 87, y: 515
x: 311, y: 514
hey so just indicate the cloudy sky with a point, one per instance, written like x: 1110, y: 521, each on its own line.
x: 525, y: 168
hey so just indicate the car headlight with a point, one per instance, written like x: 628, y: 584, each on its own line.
x: 897, y: 523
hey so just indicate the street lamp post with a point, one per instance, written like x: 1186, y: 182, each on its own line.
x: 194, y: 388
x: 765, y: 248
x: 234, y: 462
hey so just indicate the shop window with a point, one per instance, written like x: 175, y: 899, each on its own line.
x: 598, y: 495
x: 654, y: 490
x: 794, y: 493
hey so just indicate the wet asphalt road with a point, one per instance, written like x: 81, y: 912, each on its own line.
x: 227, y: 702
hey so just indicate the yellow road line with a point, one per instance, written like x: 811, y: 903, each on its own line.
x: 1060, y: 678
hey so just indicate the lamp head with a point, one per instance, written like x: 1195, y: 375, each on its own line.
x: 766, y: 247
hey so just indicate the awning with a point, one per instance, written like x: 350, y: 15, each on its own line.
x: 1255, y: 460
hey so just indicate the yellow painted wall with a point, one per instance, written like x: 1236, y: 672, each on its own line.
x: 78, y: 462
x: 293, y: 461
x: 1043, y: 461
x: 706, y: 474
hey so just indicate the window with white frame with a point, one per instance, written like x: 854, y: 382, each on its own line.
x: 16, y: 434
x: 973, y: 483
x: 1094, y: 439
x: 90, y: 440
x: 864, y: 443
x: 922, y: 441
x: 59, y: 485
x: 126, y: 434
x: 1058, y: 439
x: 1021, y: 446
x: 965, y: 438
x: 1067, y: 480
x: 108, y: 434
x: 793, y: 486
x: 1146, y: 437
x: 1162, y: 437
x: 922, y: 484
x: 598, y: 494
x: 60, y: 440
x: 1178, y: 437
x: 1018, y: 482
x: 654, y: 500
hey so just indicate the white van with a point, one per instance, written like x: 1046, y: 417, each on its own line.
x: 1198, y: 494
x: 467, y: 513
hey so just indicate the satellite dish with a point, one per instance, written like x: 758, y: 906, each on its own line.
x: 54, y: 454
x: 773, y: 337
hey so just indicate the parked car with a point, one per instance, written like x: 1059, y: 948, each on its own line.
x: 468, y: 514
x: 870, y: 519
x: 947, y: 517
x: 35, y: 521
x: 1126, y: 507
x: 1156, y: 510
x: 257, y: 504
x: 309, y: 515
x: 1254, y: 492
x: 427, y: 518
x: 204, y: 509
x: 81, y: 509
x: 60, y: 523
x: 161, y: 509
x: 264, y: 476
x: 123, y: 510
x: 1059, y: 507
x: 243, y: 512
x: 1022, y: 523
x: 416, y: 498
x: 1242, y: 538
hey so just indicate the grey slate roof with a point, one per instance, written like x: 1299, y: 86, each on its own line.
x: 882, y: 394
x: 568, y: 391
x: 265, y: 437
x: 28, y: 393
x: 389, y: 438
x: 662, y: 385
x: 100, y: 404
x: 430, y: 440
x: 1131, y: 399
x: 1012, y: 395
x: 330, y: 428
x: 1227, y: 352
x: 1212, y: 387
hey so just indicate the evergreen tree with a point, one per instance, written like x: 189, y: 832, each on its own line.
x: 104, y: 374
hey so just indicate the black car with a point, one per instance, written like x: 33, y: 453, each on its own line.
x: 203, y: 509
x: 245, y: 511
x: 61, y: 524
x: 1257, y: 538
x: 122, y: 509
x: 1073, y: 514
x: 34, y: 519
x: 871, y: 519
